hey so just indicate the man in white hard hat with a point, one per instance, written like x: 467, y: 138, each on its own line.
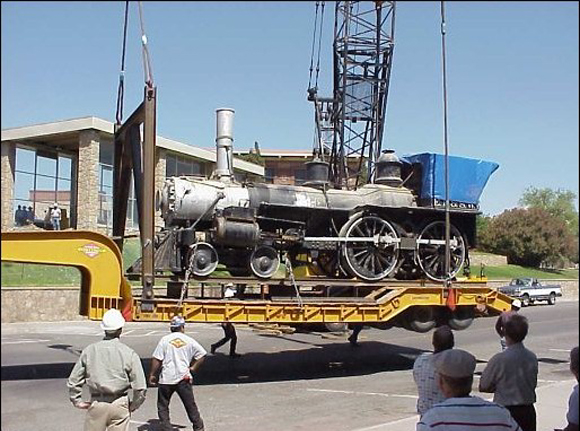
x: 460, y: 410
x: 109, y: 368
x: 179, y: 357
x: 502, y: 320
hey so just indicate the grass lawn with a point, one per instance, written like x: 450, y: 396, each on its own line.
x: 30, y: 275
x: 514, y: 271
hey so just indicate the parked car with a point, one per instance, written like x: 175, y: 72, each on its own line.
x: 530, y: 290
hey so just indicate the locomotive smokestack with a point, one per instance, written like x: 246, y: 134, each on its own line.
x: 224, y: 144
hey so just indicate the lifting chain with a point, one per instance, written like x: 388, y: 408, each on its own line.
x: 288, y: 265
x: 188, y: 272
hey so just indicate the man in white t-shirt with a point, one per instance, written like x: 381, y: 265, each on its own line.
x: 179, y: 357
x: 55, y: 215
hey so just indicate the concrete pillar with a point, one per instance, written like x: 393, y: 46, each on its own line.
x: 8, y: 160
x: 88, y: 180
x: 160, y: 170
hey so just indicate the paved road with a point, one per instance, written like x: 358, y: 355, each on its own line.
x: 302, y: 381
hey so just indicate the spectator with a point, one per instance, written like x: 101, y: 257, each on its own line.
x: 109, y: 368
x: 460, y: 411
x: 503, y: 318
x: 179, y: 357
x: 55, y: 217
x: 18, y: 216
x: 512, y: 375
x: 30, y: 216
x: 572, y: 414
x: 424, y: 370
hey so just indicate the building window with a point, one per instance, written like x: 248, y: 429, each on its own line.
x: 105, y: 213
x: 41, y: 179
x: 178, y: 165
x: 269, y: 175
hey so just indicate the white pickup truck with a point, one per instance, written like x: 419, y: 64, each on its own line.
x: 530, y: 290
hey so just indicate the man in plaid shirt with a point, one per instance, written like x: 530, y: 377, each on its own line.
x: 424, y: 370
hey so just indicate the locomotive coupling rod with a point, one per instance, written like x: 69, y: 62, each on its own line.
x: 376, y: 239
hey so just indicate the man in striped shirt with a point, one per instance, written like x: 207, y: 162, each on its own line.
x: 460, y: 411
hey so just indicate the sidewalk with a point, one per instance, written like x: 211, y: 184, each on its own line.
x: 551, y: 408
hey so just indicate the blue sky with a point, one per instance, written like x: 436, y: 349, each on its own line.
x: 512, y: 77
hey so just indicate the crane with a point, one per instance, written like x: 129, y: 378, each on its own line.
x: 350, y: 124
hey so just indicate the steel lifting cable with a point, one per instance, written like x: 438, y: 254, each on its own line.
x: 319, y: 45
x: 146, y: 58
x: 121, y: 88
x: 317, y: 29
x: 313, y: 44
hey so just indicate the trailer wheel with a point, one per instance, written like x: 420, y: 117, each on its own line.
x: 461, y: 318
x: 552, y: 299
x: 336, y: 327
x: 421, y: 319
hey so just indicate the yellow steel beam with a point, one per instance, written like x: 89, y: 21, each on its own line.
x: 96, y: 256
x: 484, y: 300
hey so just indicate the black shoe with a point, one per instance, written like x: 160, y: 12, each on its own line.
x: 353, y: 342
x: 213, y: 349
x: 235, y: 355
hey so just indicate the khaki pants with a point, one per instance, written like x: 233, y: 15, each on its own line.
x: 103, y: 416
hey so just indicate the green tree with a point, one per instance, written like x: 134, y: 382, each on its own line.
x: 529, y: 237
x: 481, y: 225
x: 559, y: 203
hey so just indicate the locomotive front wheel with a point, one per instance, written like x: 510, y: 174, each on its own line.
x: 264, y: 261
x: 203, y: 259
x: 370, y: 260
x: 431, y: 251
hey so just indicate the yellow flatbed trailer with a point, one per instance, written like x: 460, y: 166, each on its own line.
x: 103, y: 286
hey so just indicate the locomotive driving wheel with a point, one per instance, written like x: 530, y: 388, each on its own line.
x: 431, y: 250
x: 371, y: 249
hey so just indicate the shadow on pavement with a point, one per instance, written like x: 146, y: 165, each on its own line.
x: 153, y: 425
x: 330, y: 360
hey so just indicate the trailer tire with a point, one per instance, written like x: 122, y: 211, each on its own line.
x: 552, y: 299
x: 336, y: 327
x: 461, y: 318
x: 421, y: 319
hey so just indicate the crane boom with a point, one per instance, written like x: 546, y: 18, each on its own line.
x: 363, y: 51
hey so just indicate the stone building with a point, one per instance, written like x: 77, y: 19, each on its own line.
x: 70, y: 162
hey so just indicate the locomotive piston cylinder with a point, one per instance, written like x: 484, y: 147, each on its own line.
x: 235, y: 233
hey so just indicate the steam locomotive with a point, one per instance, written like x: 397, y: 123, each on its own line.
x: 392, y: 228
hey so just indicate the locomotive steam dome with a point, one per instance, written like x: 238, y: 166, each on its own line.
x: 389, y: 169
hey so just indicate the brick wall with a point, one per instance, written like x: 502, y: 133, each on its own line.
x: 8, y: 156
x: 88, y: 180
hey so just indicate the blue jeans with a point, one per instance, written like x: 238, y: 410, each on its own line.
x: 56, y: 223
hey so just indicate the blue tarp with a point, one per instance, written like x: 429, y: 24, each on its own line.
x: 467, y: 177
